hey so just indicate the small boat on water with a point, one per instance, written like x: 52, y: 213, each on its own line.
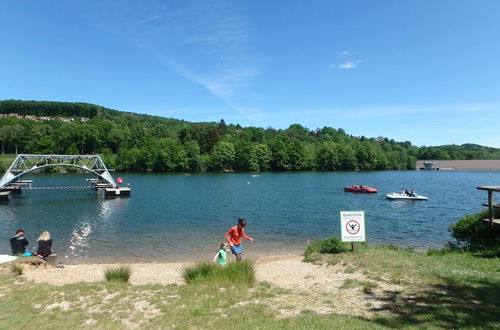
x: 359, y: 188
x: 402, y: 196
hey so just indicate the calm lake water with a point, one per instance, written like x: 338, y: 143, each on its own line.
x: 178, y: 217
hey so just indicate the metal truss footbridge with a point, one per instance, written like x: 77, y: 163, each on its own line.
x: 24, y: 164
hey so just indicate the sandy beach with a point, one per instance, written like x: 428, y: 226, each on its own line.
x: 306, y: 283
x: 269, y: 269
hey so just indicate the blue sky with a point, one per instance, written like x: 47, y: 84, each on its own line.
x: 422, y: 71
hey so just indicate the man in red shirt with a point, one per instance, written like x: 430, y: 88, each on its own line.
x: 234, y: 235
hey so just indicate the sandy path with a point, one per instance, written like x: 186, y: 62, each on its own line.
x: 291, y: 272
x: 272, y: 269
x: 287, y: 271
x: 150, y: 273
x: 310, y: 286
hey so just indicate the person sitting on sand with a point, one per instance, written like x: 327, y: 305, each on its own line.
x: 44, y: 245
x: 234, y: 235
x: 18, y: 243
x: 220, y: 257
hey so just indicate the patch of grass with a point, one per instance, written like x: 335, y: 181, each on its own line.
x: 368, y: 286
x: 349, y: 270
x: 327, y: 246
x: 349, y: 283
x: 436, y: 285
x: 17, y: 269
x: 119, y: 274
x: 240, y: 273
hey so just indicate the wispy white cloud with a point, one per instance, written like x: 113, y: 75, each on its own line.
x: 203, y: 41
x: 346, y: 52
x: 346, y: 65
x: 223, y: 84
x: 475, y: 107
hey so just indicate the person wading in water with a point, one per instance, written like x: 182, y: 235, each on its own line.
x: 234, y: 235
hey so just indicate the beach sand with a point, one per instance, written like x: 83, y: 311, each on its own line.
x: 308, y: 286
x: 269, y: 269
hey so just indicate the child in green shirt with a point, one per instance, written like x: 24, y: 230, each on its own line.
x: 220, y: 257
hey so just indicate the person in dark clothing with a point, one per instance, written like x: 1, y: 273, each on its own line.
x: 44, y: 245
x: 18, y: 243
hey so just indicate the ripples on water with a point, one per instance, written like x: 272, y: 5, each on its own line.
x: 177, y: 217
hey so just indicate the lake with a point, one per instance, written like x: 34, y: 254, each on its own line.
x: 174, y: 217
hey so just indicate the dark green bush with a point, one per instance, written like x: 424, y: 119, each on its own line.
x: 472, y: 234
x: 331, y: 245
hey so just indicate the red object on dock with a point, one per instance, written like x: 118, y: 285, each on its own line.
x: 119, y: 180
x: 360, y: 189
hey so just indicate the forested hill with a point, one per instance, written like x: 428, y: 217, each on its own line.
x: 137, y: 142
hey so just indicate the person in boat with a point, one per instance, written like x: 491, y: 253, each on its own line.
x: 18, y: 243
x: 234, y: 235
x: 406, y: 192
x: 413, y: 194
x: 44, y: 245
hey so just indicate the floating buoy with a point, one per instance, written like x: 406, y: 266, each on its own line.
x: 119, y: 180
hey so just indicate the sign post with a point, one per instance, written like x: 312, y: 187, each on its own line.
x: 352, y: 226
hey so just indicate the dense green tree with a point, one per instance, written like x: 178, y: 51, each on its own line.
x: 263, y: 155
x: 146, y: 143
x: 346, y: 156
x: 328, y: 158
x: 246, y: 156
x: 223, y: 156
x: 192, y: 151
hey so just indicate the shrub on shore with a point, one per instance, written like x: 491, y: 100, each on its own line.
x: 331, y: 245
x: 472, y: 234
x: 242, y: 272
x: 119, y: 274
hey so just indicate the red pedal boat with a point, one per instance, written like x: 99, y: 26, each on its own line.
x: 359, y: 188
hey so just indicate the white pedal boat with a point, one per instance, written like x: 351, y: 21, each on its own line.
x: 402, y: 196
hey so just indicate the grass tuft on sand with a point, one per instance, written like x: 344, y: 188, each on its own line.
x: 239, y: 273
x: 119, y: 274
x: 17, y: 269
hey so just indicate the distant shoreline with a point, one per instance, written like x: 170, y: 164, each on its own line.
x: 463, y: 165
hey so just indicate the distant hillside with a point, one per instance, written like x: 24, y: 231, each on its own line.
x: 45, y: 108
x: 136, y: 142
x: 454, y: 152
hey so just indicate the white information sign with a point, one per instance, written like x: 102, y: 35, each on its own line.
x: 352, y: 225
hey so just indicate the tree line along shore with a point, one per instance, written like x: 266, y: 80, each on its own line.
x: 135, y: 142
